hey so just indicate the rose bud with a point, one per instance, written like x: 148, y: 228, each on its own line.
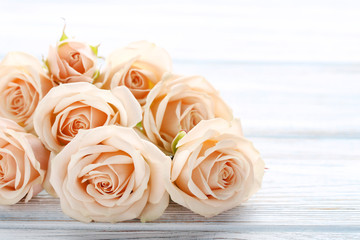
x: 72, y: 61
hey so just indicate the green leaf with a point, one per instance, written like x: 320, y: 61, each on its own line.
x: 95, y: 49
x: 178, y: 137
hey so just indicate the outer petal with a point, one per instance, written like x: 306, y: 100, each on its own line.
x: 9, y: 124
x: 16, y: 58
x: 130, y: 104
x: 153, y: 211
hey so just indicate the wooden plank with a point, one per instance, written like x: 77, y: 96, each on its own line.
x: 311, y: 190
x: 74, y: 234
x: 293, y: 100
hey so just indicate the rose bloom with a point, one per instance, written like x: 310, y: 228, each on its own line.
x: 179, y: 103
x: 110, y: 174
x: 72, y: 61
x: 23, y: 83
x: 70, y: 107
x: 139, y: 66
x: 214, y: 168
x: 23, y: 163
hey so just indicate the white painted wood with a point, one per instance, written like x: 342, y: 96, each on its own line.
x: 298, y: 100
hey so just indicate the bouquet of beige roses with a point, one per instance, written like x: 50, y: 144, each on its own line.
x: 117, y: 143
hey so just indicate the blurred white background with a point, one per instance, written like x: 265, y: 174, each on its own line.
x: 286, y: 67
x: 227, y: 30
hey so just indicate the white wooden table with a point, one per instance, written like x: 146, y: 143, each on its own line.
x: 304, y: 119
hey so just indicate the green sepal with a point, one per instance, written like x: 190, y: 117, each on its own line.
x: 46, y: 63
x: 139, y: 126
x: 63, y: 36
x: 178, y: 137
x: 95, y: 49
x: 96, y: 74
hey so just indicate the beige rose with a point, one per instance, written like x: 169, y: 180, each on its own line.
x: 70, y: 107
x: 139, y: 66
x: 179, y: 103
x: 72, y: 61
x: 110, y: 174
x: 23, y: 163
x: 214, y: 168
x: 23, y: 83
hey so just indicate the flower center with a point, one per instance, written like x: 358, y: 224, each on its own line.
x: 225, y: 177
x: 102, y: 184
x: 71, y: 128
x: 17, y: 102
x: 20, y: 99
x: 80, y: 116
x: 105, y: 180
x: 137, y: 80
x: 75, y: 62
x: 75, y: 56
x: 190, y: 119
x: 78, y: 124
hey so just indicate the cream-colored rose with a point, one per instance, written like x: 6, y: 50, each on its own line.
x: 179, y: 103
x: 23, y: 163
x: 23, y: 83
x: 214, y: 168
x: 139, y: 67
x: 110, y: 174
x: 70, y: 107
x: 72, y: 61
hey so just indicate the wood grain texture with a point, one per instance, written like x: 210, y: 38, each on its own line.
x: 293, y: 100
